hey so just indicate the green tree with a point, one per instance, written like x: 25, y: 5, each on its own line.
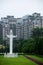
x: 37, y: 32
x: 38, y: 37
x: 39, y: 46
x: 28, y: 46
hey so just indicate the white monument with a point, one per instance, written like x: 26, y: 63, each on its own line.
x: 11, y: 54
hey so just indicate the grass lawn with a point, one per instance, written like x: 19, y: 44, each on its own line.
x: 20, y: 60
x: 40, y: 58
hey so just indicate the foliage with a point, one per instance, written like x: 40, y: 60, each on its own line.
x: 28, y: 46
x: 38, y: 37
x: 37, y: 32
x: 3, y: 44
x: 39, y: 46
x: 33, y: 45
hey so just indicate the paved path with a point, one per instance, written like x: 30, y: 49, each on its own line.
x: 34, y: 60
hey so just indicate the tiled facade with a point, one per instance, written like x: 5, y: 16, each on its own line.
x: 21, y: 26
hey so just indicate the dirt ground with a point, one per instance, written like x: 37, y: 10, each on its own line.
x: 34, y: 60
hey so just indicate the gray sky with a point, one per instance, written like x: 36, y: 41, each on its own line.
x: 19, y: 8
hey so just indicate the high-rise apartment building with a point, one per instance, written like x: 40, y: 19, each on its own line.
x: 9, y: 22
x: 21, y: 26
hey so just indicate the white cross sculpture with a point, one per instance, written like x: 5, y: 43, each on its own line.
x: 11, y: 41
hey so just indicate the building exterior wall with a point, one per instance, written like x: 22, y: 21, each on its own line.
x: 1, y: 32
x: 18, y: 30
x: 22, y: 27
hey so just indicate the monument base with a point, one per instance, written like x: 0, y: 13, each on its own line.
x: 11, y: 55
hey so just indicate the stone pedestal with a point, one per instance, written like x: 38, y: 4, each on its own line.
x: 11, y: 55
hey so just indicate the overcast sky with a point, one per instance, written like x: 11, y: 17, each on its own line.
x: 19, y: 8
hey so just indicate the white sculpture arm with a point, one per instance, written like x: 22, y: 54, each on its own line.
x: 14, y: 36
x: 8, y: 36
